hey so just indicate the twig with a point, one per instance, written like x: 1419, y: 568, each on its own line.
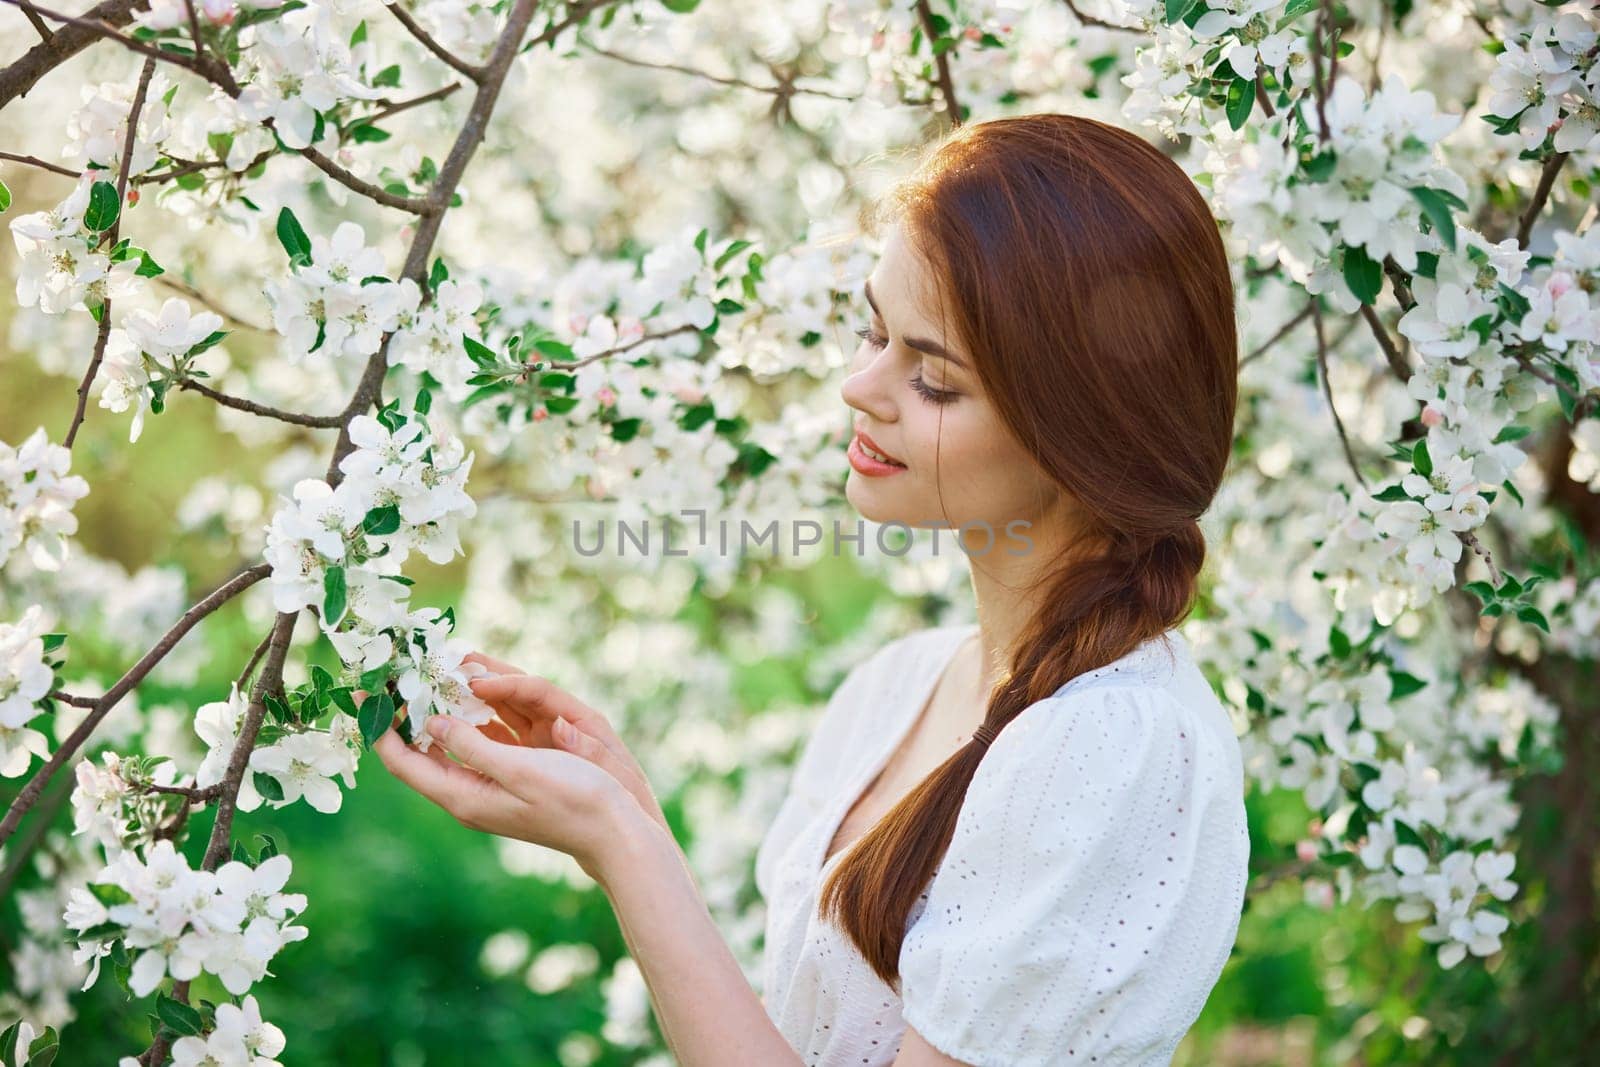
x: 784, y: 89
x: 30, y: 793
x: 103, y: 334
x: 35, y: 161
x: 321, y: 422
x: 1090, y: 20
x: 941, y: 61
x: 73, y: 700
x: 416, y: 101
x: 373, y: 192
x: 1397, y: 361
x: 425, y: 39
x: 1279, y: 334
x: 205, y: 301
x: 1327, y: 390
x: 608, y: 353
x: 1541, y: 193
x: 1470, y: 539
x: 1261, y: 95
x: 255, y: 657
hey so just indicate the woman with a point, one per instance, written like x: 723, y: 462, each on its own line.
x: 1015, y: 842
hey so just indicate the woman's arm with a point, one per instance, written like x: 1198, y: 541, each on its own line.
x: 705, y: 1006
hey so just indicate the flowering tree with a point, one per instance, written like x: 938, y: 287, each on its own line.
x: 452, y: 229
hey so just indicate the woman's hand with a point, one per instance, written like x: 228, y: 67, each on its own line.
x: 541, y: 714
x: 546, y: 796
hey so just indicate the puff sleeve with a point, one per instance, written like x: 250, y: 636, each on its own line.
x: 1091, y: 890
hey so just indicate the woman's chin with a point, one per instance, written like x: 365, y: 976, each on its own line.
x: 875, y: 502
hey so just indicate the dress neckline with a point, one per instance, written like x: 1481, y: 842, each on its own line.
x: 910, y: 714
x: 1140, y: 661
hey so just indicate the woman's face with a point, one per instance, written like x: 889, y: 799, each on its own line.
x: 955, y: 461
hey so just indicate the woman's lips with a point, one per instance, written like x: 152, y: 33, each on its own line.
x: 865, y: 464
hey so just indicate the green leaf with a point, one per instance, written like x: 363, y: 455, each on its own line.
x: 1391, y: 494
x: 1403, y: 684
x: 731, y: 251
x: 375, y: 717
x: 1421, y: 462
x: 335, y: 592
x: 382, y: 520
x: 110, y: 895
x: 1338, y: 643
x: 681, y: 7
x: 438, y: 275
x: 104, y: 206
x: 1405, y: 835
x: 1362, y: 274
x: 267, y: 786
x: 1512, y: 433
x: 5, y: 197
x: 178, y: 1015
x: 8, y: 1043
x: 1532, y: 615
x: 269, y: 847
x: 1241, y: 98
x: 367, y: 133
x: 42, y: 1053
x: 554, y: 349
x: 1176, y: 9
x: 293, y: 238
x: 479, y: 353
x: 211, y: 341
x: 1438, y: 211
x: 388, y: 77
x: 360, y: 33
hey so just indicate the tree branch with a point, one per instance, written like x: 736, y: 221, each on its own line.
x: 785, y: 90
x: 1397, y: 360
x: 941, y: 61
x: 31, y: 792
x: 1327, y: 390
x: 103, y: 334
x: 23, y: 74
x: 35, y: 161
x: 1279, y: 334
x: 1541, y: 193
x: 320, y: 422
x: 425, y: 39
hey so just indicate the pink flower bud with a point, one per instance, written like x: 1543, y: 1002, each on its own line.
x: 605, y: 396
x: 1305, y: 850
x: 689, y: 394
x: 1314, y: 827
x: 1559, y: 284
x: 540, y: 414
x: 972, y: 33
x: 577, y: 323
x: 1431, y: 416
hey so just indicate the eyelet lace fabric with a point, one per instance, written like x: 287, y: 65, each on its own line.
x: 1090, y: 895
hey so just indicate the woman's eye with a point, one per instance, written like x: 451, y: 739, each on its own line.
x: 930, y: 394
x: 866, y: 334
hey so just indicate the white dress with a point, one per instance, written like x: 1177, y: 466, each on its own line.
x: 1090, y: 894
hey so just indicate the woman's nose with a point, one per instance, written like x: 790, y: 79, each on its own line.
x: 866, y: 387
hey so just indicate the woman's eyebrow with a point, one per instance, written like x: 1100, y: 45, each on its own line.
x: 921, y: 344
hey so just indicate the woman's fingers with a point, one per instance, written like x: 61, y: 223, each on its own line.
x: 541, y: 701
x: 499, y: 666
x: 459, y: 790
x: 574, y: 740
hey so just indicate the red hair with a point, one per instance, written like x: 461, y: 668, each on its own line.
x: 1085, y: 274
